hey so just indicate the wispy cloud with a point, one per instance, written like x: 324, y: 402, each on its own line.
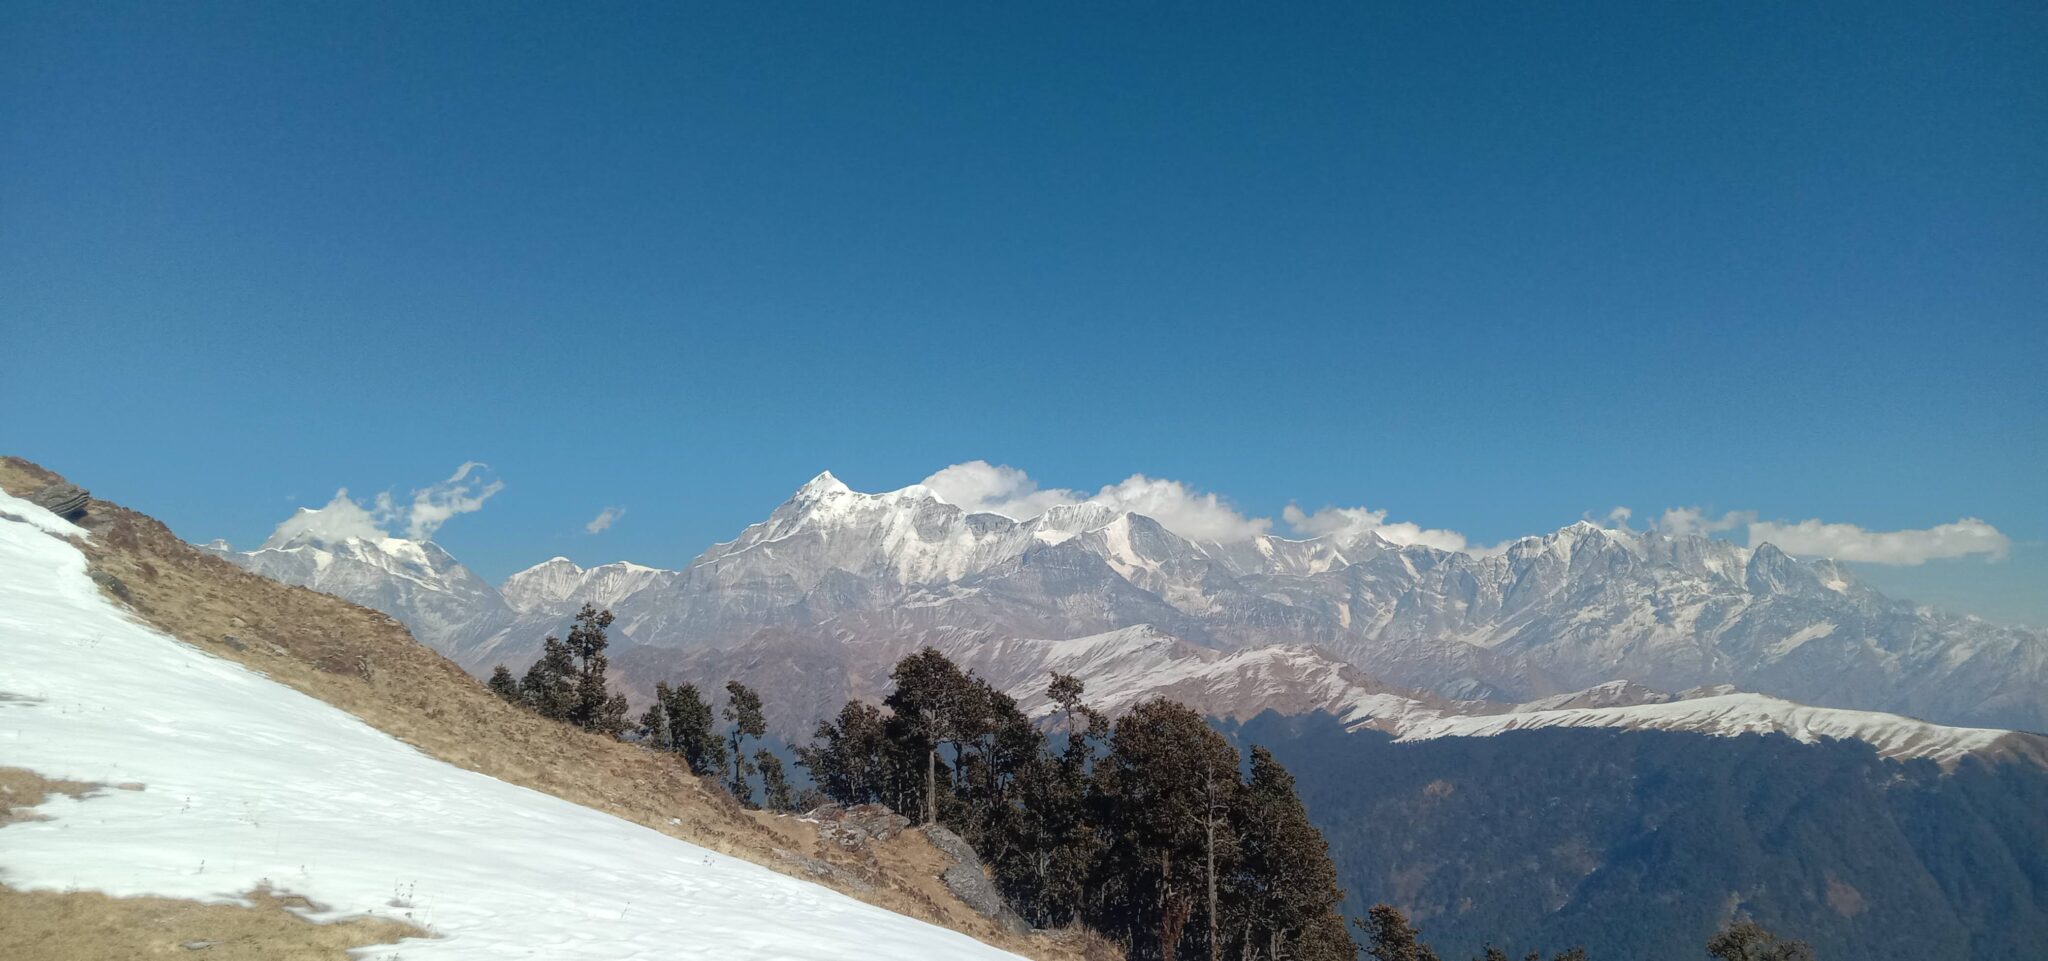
x: 343, y: 517
x: 1181, y: 507
x: 1911, y: 547
x: 604, y: 520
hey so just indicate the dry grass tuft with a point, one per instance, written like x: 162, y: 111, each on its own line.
x: 366, y: 663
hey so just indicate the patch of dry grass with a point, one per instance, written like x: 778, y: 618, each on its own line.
x: 366, y: 663
x: 89, y: 926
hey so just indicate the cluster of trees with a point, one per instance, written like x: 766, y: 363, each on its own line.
x: 1150, y: 830
x: 568, y: 683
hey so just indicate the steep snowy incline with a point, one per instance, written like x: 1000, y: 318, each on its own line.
x: 246, y: 781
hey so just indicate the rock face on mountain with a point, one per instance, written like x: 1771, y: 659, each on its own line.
x: 835, y: 575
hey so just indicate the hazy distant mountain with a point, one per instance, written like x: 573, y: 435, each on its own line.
x: 1549, y: 615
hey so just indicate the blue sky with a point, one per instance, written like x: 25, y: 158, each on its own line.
x: 1488, y: 270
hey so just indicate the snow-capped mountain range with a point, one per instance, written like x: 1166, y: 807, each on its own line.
x: 839, y: 580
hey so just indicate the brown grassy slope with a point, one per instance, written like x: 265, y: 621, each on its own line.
x: 367, y: 664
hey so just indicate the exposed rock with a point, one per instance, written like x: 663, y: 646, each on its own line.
x: 112, y: 585
x: 856, y: 826
x: 64, y: 500
x: 820, y: 868
x: 969, y: 882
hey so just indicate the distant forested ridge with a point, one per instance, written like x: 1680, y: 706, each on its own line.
x: 1641, y: 844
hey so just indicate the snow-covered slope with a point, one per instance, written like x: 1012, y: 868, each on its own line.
x: 244, y: 782
x: 1729, y: 715
x: 1122, y: 667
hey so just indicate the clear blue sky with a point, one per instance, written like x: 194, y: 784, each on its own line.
x: 1486, y: 267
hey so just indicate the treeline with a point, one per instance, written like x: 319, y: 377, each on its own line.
x: 569, y: 683
x: 1153, y: 830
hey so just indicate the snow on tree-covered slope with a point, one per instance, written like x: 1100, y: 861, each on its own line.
x: 245, y: 781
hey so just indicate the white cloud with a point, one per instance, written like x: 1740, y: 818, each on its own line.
x: 1199, y: 516
x: 344, y: 517
x: 459, y: 494
x: 1848, y: 542
x: 1694, y: 520
x: 340, y: 519
x: 1351, y: 522
x: 980, y: 486
x: 1195, y: 516
x: 604, y: 520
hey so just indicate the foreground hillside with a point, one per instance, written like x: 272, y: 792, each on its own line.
x: 357, y: 770
x: 1641, y: 843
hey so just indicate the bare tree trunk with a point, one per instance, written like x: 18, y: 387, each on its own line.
x: 931, y: 785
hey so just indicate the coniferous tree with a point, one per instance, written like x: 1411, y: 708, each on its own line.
x: 926, y: 706
x: 654, y: 729
x: 549, y: 687
x: 504, y: 684
x: 1285, y: 894
x: 743, y: 710
x: 689, y: 727
x: 1389, y: 936
x: 1162, y: 797
x: 1750, y: 941
x: 850, y: 757
x: 594, y: 707
x: 1045, y: 876
x: 775, y: 792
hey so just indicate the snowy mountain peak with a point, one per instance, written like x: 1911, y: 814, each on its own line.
x: 822, y: 485
x: 560, y: 583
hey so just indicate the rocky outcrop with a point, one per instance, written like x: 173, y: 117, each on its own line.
x: 969, y: 882
x: 856, y: 826
x: 64, y: 500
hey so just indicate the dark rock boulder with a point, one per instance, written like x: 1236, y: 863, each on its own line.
x: 64, y: 500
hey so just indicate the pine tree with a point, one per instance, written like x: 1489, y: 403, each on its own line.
x: 654, y: 729
x: 549, y: 687
x: 504, y: 684
x: 775, y: 792
x: 1286, y: 894
x: 689, y: 726
x: 1162, y: 797
x: 1750, y: 941
x: 926, y: 706
x: 1389, y: 936
x: 594, y: 707
x: 743, y: 710
x: 849, y: 756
